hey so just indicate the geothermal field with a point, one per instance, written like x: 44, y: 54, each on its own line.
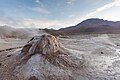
x: 45, y: 57
x: 59, y: 39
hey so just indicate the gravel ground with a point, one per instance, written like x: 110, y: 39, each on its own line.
x: 101, y: 52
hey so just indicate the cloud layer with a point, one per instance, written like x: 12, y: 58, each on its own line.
x: 103, y: 8
x: 71, y: 2
x: 34, y: 23
x: 41, y: 10
x: 55, y: 23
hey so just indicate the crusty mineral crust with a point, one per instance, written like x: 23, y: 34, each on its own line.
x: 44, y: 55
x: 46, y: 44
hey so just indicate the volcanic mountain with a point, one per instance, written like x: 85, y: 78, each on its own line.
x: 93, y: 25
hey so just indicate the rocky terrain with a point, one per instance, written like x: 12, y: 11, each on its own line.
x: 80, y: 57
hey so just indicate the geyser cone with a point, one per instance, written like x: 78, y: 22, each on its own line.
x: 45, y: 45
x: 44, y: 58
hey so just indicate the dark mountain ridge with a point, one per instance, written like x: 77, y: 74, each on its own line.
x: 93, y: 25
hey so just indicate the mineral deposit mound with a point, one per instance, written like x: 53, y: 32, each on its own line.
x: 44, y: 58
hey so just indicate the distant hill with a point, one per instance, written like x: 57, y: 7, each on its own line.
x: 93, y: 25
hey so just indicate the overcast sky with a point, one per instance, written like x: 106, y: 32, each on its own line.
x: 56, y: 13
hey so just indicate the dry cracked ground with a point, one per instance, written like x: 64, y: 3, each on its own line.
x: 81, y: 57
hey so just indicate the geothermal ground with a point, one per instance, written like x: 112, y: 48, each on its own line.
x: 89, y: 57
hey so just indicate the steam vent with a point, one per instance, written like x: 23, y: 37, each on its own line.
x: 44, y: 58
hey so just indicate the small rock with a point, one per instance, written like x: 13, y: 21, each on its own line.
x: 33, y: 78
x: 8, y: 55
x: 102, y: 53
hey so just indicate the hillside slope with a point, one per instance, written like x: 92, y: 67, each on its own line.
x: 93, y: 25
